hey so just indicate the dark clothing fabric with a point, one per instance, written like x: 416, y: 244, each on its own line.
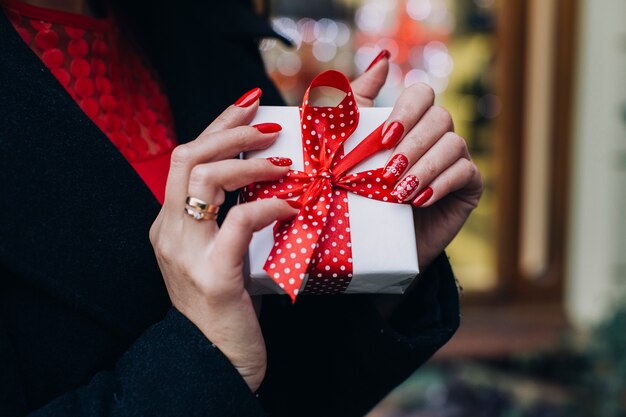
x: 86, y: 327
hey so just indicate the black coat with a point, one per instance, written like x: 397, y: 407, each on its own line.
x: 86, y: 327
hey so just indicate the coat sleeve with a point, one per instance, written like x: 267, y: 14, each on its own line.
x: 171, y: 370
x: 338, y: 355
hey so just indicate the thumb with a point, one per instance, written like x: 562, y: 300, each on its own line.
x: 368, y: 84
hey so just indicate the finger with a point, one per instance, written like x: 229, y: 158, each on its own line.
x: 242, y: 221
x: 445, y: 152
x: 221, y: 145
x: 462, y: 175
x: 430, y: 127
x: 240, y: 113
x: 409, y: 108
x: 209, y: 182
x: 367, y: 86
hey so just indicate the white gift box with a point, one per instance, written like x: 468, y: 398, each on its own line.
x: 382, y: 234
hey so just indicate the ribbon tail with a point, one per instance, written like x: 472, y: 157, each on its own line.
x: 366, y: 148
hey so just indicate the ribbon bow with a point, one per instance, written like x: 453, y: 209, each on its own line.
x: 317, y: 241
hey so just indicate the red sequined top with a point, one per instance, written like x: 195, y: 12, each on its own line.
x: 108, y: 79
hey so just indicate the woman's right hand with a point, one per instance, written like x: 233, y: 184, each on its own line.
x: 202, y: 264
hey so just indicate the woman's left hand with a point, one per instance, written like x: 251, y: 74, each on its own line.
x: 430, y: 167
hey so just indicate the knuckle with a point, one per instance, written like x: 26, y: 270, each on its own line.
x: 153, y: 233
x: 471, y: 169
x: 261, y: 164
x: 457, y: 143
x: 227, y: 117
x: 161, y: 249
x: 199, y: 176
x: 181, y: 155
x: 430, y: 166
x: 239, y: 218
x: 441, y: 115
x: 424, y: 90
x: 243, y: 134
x: 415, y: 144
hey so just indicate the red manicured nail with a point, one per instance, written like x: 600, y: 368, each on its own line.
x: 423, y: 197
x: 295, y: 204
x: 405, y: 187
x: 280, y: 161
x: 249, y: 97
x: 392, y: 134
x: 268, y: 127
x: 395, y: 168
x: 382, y: 55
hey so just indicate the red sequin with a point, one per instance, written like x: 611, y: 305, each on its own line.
x: 99, y: 48
x: 74, y: 33
x: 78, y: 48
x: 99, y: 67
x: 112, y: 121
x: 62, y: 75
x: 90, y: 107
x: 46, y: 39
x: 53, y: 58
x: 84, y: 87
x: 80, y: 68
x: 108, y: 102
x: 103, y: 85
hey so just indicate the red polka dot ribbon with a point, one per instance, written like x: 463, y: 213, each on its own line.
x: 316, y: 244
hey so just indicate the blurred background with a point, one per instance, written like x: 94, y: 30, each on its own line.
x: 538, y: 89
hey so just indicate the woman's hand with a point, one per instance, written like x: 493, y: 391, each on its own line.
x: 430, y: 166
x: 201, y: 262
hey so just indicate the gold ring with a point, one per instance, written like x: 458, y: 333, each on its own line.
x: 200, y: 210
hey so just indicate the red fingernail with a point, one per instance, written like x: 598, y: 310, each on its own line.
x: 392, y: 134
x: 423, y: 197
x: 382, y: 55
x: 249, y: 97
x: 268, y: 127
x: 295, y: 204
x: 405, y: 187
x: 395, y: 168
x: 280, y: 161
